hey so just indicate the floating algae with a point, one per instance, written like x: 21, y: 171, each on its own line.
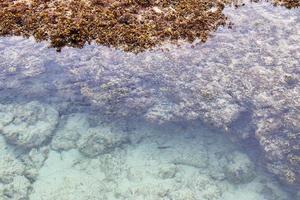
x: 132, y: 25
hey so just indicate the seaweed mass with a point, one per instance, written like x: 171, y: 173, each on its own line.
x: 130, y: 25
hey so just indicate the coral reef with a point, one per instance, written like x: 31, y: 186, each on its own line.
x: 27, y: 125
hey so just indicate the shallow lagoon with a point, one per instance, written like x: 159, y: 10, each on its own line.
x: 103, y: 124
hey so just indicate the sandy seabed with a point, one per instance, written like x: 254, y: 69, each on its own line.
x: 89, y: 159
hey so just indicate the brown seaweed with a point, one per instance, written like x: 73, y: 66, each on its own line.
x: 131, y: 25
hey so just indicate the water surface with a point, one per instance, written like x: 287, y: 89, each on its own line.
x: 99, y: 123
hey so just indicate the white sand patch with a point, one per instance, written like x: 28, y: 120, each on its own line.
x: 60, y: 179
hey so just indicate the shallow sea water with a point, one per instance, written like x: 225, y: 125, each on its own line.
x: 60, y: 141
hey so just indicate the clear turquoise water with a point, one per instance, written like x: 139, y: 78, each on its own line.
x: 98, y: 123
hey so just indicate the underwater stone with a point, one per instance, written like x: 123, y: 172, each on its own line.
x: 66, y: 137
x: 239, y: 168
x: 100, y: 140
x: 13, y: 184
x: 17, y: 190
x: 34, y: 161
x: 5, y: 118
x: 10, y: 168
x: 28, y: 125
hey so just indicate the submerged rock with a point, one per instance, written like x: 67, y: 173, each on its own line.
x: 13, y: 183
x: 239, y: 169
x: 27, y: 125
x: 100, y: 140
x: 75, y: 132
x: 34, y: 161
x: 66, y: 137
x: 10, y: 168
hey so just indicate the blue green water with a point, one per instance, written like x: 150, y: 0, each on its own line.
x: 173, y: 123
